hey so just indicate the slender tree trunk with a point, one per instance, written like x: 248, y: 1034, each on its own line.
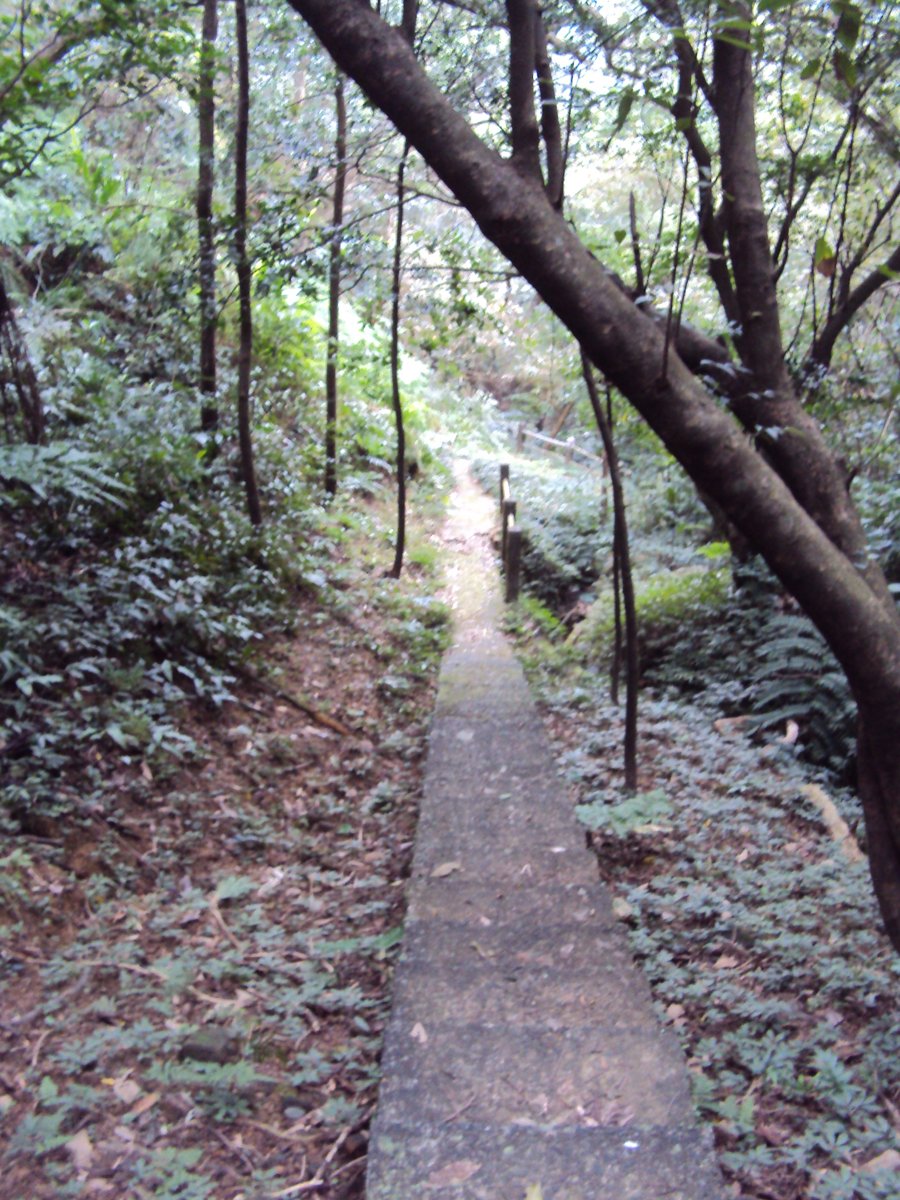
x: 397, y: 399
x: 615, y: 673
x: 206, y: 111
x: 623, y: 557
x: 334, y: 288
x: 617, y: 583
x: 17, y: 374
x: 242, y: 262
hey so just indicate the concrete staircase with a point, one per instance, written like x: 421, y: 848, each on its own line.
x: 523, y: 1060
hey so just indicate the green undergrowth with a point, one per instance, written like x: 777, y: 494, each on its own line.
x: 197, y: 976
x: 562, y: 512
x: 760, y: 938
x: 665, y: 604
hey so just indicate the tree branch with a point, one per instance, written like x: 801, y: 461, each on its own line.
x: 823, y: 347
x: 550, y: 125
x: 524, y: 128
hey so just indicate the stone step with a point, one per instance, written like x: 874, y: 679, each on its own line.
x: 459, y: 1159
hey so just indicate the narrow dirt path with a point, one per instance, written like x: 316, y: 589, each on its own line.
x: 523, y: 1059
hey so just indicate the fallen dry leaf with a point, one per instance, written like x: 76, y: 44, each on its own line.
x: 725, y: 962
x: 126, y: 1090
x: 80, y: 1149
x: 457, y: 1171
x: 445, y: 869
x: 142, y: 1106
x: 419, y: 1034
x: 534, y: 1191
x: 772, y: 1134
x: 887, y: 1160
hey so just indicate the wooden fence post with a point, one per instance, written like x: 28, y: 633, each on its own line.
x: 513, y: 562
x: 511, y: 538
x: 509, y: 518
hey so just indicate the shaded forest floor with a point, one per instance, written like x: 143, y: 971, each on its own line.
x: 194, y: 985
x: 753, y: 916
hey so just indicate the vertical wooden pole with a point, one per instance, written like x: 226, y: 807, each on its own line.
x: 509, y: 518
x: 513, y: 563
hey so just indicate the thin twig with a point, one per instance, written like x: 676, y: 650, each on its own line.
x: 219, y: 920
x: 318, y: 1180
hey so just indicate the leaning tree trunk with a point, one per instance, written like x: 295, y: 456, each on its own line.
x: 809, y: 549
x: 242, y: 264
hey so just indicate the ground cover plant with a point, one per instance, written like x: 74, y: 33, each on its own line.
x: 195, y: 972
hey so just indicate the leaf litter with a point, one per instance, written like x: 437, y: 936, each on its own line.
x: 198, y: 1011
x: 759, y: 936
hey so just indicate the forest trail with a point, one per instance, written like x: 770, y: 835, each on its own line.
x: 523, y: 1060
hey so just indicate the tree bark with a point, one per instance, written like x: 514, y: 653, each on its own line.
x: 19, y: 375
x: 768, y: 404
x: 525, y: 137
x: 814, y: 550
x: 206, y: 113
x: 242, y: 262
x: 334, y: 287
x: 396, y: 397
x: 551, y: 131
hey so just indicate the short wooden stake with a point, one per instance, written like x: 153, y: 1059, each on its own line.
x: 513, y: 563
x: 509, y: 518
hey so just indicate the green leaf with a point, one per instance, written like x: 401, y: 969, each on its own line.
x: 823, y: 257
x: 234, y: 886
x: 844, y: 68
x: 626, y: 100
x: 620, y: 236
x: 849, y: 22
x: 811, y: 69
x: 116, y: 734
x: 628, y: 816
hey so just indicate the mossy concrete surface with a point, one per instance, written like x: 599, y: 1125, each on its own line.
x: 523, y: 1060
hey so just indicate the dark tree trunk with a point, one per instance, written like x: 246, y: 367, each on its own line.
x: 408, y: 25
x: 623, y: 559
x: 17, y: 377
x: 206, y: 112
x: 334, y: 288
x: 768, y: 404
x: 242, y: 263
x: 806, y: 529
x: 396, y: 397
